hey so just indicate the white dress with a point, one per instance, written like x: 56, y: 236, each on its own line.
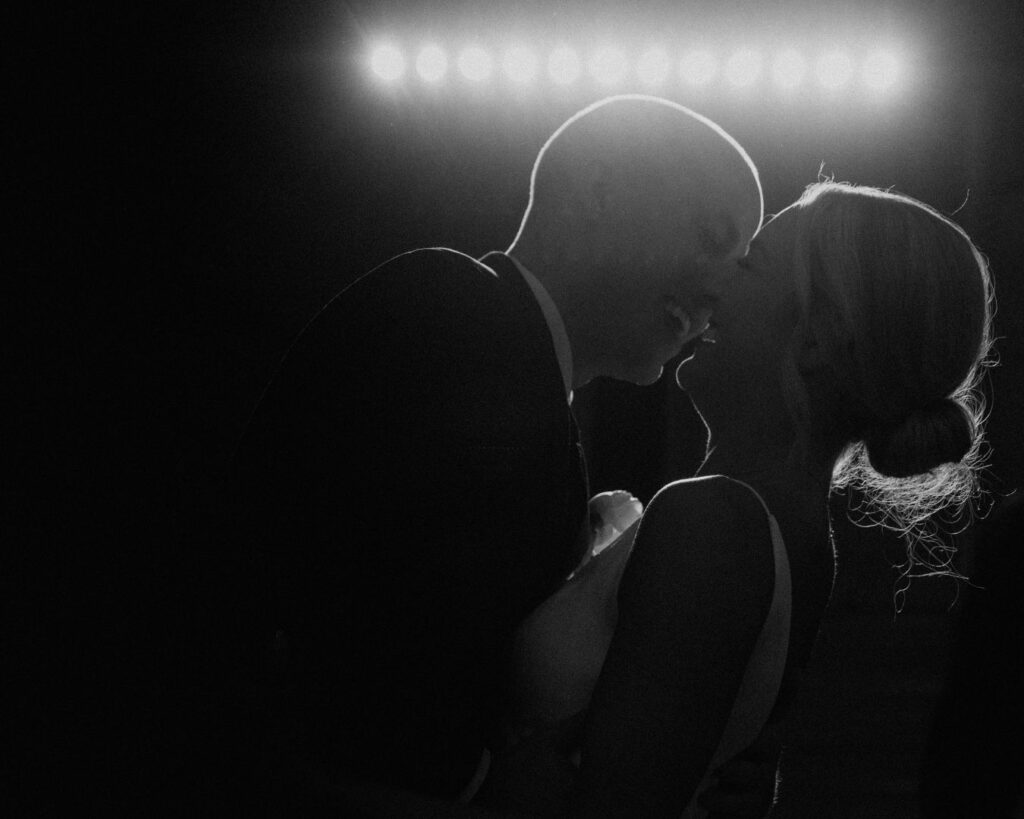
x: 561, y: 647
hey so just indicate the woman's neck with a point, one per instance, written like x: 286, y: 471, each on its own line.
x: 777, y: 467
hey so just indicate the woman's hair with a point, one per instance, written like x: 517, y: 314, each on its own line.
x: 900, y: 302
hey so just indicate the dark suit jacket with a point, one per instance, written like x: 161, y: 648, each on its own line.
x: 410, y: 487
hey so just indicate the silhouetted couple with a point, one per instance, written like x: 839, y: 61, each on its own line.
x: 418, y: 618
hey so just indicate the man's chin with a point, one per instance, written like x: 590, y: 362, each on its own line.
x: 637, y: 376
x: 640, y: 373
x: 649, y: 376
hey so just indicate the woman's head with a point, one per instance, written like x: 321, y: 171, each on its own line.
x: 900, y: 300
x: 881, y: 311
x: 894, y: 318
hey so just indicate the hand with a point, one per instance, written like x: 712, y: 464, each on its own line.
x: 746, y: 786
x: 611, y: 513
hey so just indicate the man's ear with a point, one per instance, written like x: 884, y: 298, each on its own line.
x: 595, y: 189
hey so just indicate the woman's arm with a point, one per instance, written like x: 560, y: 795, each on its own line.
x: 692, y: 603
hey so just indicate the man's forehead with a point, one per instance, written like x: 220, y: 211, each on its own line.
x: 718, y: 235
x: 725, y: 219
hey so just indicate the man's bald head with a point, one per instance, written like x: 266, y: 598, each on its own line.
x: 613, y: 164
x: 632, y: 201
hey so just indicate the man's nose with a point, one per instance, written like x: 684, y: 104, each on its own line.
x: 712, y: 278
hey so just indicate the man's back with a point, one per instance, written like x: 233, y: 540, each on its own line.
x: 410, y: 488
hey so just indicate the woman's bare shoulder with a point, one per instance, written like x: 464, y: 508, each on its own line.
x: 708, y: 527
x: 707, y: 502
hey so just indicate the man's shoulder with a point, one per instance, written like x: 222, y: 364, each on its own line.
x: 432, y: 292
x: 424, y: 272
x: 434, y: 258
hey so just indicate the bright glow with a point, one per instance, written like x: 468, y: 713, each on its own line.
x: 388, y: 62
x: 698, y: 67
x: 475, y: 64
x: 834, y: 69
x: 881, y: 71
x: 608, y: 66
x: 885, y: 67
x: 788, y: 69
x: 653, y: 67
x: 432, y: 63
x: 520, y: 65
x: 564, y: 65
x: 743, y: 68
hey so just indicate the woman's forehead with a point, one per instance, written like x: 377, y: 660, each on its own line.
x: 779, y: 229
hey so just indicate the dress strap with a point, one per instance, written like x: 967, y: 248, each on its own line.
x: 783, y: 595
x: 762, y: 678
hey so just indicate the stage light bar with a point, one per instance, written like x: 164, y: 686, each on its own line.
x: 881, y: 70
x: 610, y: 68
x: 388, y: 63
x: 835, y: 70
x: 520, y: 65
x: 564, y: 65
x: 788, y: 69
x: 432, y: 64
x: 743, y: 68
x: 475, y: 64
x: 698, y: 68
x: 653, y: 67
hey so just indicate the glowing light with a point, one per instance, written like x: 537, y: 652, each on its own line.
x: 878, y: 71
x: 743, y: 68
x: 563, y: 65
x: 475, y: 64
x: 788, y: 69
x: 388, y: 63
x: 520, y: 65
x: 834, y: 69
x: 653, y: 66
x: 881, y: 71
x: 698, y: 67
x: 432, y: 64
x: 608, y: 66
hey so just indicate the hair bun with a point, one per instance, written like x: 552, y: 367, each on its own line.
x: 939, y: 433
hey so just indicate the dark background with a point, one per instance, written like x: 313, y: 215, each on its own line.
x: 190, y: 183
